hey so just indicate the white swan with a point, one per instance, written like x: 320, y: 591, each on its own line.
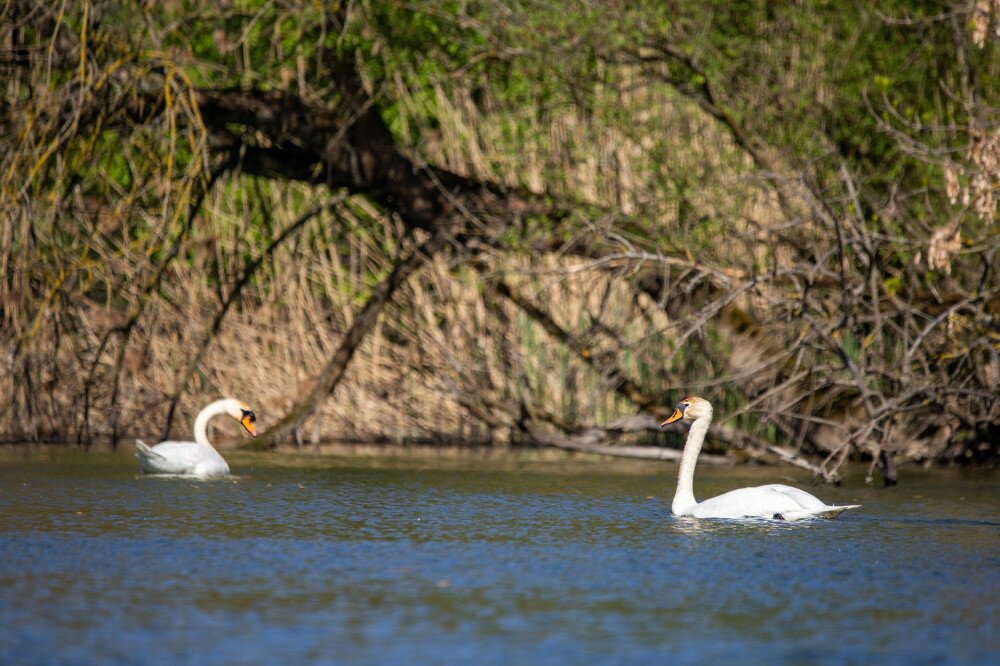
x: 773, y: 501
x: 197, y: 458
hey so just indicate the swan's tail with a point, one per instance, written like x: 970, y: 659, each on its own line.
x: 825, y: 512
x: 144, y: 452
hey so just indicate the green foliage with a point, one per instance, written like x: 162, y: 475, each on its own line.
x: 657, y: 125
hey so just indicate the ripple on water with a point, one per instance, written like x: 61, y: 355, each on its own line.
x: 394, y: 564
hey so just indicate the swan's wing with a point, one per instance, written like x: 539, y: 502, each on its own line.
x: 773, y: 501
x: 174, y: 457
x: 759, y: 502
x: 812, y: 507
x: 825, y: 512
x: 800, y: 497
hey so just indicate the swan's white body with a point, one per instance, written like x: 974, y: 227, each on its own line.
x: 183, y: 458
x: 773, y: 501
x: 198, y: 458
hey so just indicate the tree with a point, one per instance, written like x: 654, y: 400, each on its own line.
x: 797, y: 204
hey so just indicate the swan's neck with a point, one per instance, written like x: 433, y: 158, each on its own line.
x: 204, y: 416
x: 684, y: 495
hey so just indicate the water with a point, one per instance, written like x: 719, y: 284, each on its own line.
x: 319, y: 560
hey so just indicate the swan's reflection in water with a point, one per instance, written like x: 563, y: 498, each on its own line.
x: 710, y: 527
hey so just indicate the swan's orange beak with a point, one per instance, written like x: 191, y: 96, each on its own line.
x: 247, y: 422
x: 676, y: 416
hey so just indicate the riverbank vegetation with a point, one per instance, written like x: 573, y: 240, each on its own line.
x: 442, y: 221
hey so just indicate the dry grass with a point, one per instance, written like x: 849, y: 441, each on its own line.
x: 122, y: 250
x: 446, y: 335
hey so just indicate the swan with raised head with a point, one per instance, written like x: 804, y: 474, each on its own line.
x: 197, y: 458
x: 775, y: 501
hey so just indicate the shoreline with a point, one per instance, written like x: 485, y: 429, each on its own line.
x: 500, y: 454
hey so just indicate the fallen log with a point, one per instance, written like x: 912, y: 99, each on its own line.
x: 594, y: 441
x: 598, y: 439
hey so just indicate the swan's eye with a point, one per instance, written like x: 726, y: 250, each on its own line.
x: 248, y: 414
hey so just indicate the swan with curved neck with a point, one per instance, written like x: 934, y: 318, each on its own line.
x: 773, y: 501
x: 197, y: 458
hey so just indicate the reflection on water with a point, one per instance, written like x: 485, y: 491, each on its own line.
x: 386, y: 560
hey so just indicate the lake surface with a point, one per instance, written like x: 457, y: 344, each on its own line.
x: 307, y: 559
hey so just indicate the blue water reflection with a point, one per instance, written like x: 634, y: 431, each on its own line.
x: 363, y: 563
